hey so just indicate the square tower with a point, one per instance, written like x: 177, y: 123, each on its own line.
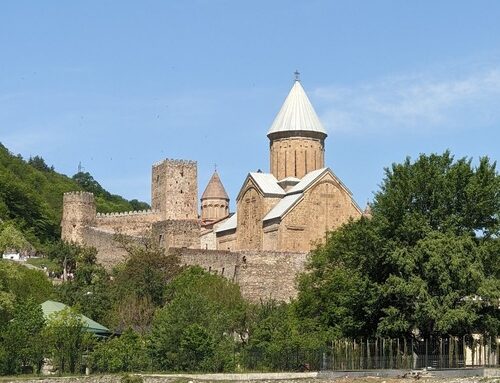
x: 174, y: 189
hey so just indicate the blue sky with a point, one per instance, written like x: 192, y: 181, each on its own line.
x: 119, y: 85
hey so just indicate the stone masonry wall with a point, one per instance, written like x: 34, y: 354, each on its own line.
x: 265, y: 275
x: 129, y: 223
x: 174, y: 189
x: 296, y: 156
x: 219, y: 262
x: 109, y: 252
x: 177, y: 233
x: 325, y: 207
x: 261, y: 275
x: 79, y: 211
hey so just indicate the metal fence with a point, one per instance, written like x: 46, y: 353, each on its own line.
x: 379, y: 353
x: 438, y: 353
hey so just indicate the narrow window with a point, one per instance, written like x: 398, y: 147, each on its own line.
x: 295, y: 162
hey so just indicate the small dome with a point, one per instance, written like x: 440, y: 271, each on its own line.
x: 215, y: 189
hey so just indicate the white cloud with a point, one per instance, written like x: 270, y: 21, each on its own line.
x: 413, y: 102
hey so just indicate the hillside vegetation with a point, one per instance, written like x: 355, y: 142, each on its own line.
x: 31, y: 196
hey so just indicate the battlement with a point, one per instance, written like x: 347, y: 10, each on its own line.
x: 127, y: 213
x: 173, y: 161
x: 78, y: 196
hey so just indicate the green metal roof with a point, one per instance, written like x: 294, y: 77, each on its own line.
x: 51, y: 307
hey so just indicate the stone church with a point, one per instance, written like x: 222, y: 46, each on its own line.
x: 280, y: 216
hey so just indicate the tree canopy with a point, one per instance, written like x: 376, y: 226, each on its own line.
x: 425, y: 264
x: 31, y: 195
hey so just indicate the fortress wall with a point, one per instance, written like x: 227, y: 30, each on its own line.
x: 128, y: 223
x: 219, y: 262
x: 109, y: 252
x: 208, y: 240
x: 177, y: 233
x: 266, y: 275
x: 261, y: 275
x: 227, y: 240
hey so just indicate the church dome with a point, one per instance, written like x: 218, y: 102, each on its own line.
x: 297, y: 114
x: 215, y: 189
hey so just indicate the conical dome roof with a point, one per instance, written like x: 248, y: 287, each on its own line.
x: 215, y: 189
x: 297, y: 114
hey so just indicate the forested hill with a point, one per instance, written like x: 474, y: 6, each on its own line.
x: 31, y: 196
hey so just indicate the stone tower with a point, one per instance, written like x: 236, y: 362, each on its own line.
x: 174, y: 189
x: 214, y: 201
x: 79, y: 211
x: 297, y: 137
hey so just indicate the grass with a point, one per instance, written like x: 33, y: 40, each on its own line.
x: 41, y: 262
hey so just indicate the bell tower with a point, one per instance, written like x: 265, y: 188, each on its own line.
x: 296, y: 137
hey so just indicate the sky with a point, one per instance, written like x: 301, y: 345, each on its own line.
x: 119, y: 85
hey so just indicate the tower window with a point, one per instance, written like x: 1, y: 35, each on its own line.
x: 157, y: 178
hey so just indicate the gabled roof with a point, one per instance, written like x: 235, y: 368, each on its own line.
x: 266, y: 182
x: 297, y: 114
x: 307, y: 180
x: 295, y: 194
x: 283, y: 206
x: 51, y: 307
x: 215, y: 189
x: 230, y: 224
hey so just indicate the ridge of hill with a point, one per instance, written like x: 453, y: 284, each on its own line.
x: 31, y: 196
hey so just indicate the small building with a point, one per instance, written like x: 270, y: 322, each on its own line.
x: 12, y: 256
x: 50, y: 307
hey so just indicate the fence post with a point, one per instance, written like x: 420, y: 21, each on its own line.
x: 426, y: 355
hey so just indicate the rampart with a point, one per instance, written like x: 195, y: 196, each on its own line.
x: 109, y: 252
x: 177, y: 233
x: 270, y: 275
x: 225, y: 263
x: 261, y: 275
x: 128, y: 223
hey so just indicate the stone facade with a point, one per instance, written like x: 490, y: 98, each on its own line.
x: 295, y: 155
x: 174, y: 189
x: 261, y: 275
x: 177, y: 233
x: 280, y: 216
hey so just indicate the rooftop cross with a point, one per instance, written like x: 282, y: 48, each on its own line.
x: 297, y: 75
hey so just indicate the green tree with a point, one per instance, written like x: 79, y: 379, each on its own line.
x: 39, y: 163
x: 194, y: 330
x: 139, y: 284
x: 126, y: 353
x: 278, y: 340
x: 426, y: 262
x: 66, y: 340
x: 89, y: 289
x: 19, y: 284
x: 13, y: 239
x: 22, y: 340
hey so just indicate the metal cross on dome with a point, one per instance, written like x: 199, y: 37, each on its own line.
x: 297, y: 75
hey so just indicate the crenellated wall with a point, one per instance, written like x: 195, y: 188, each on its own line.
x: 128, y: 223
x: 79, y: 211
